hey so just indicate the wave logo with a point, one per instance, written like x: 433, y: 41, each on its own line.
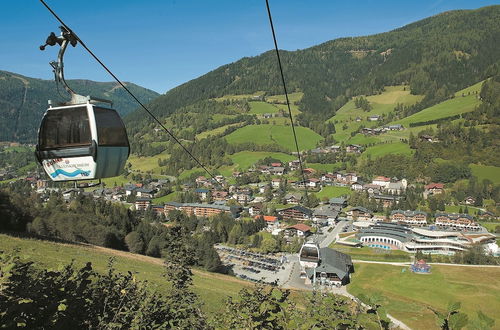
x: 70, y: 174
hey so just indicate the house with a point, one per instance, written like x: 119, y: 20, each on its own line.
x: 279, y: 170
x: 434, y: 189
x: 313, y: 183
x: 69, y: 193
x: 203, y: 210
x: 374, y: 118
x: 325, y: 214
x: 412, y: 218
x: 255, y: 209
x: 372, y: 189
x: 428, y: 138
x: 333, y: 269
x: 145, y: 192
x: 358, y: 185
x: 276, y: 164
x: 202, y: 193
x: 470, y: 200
x: 219, y: 195
x: 359, y: 213
x: 309, y: 171
x: 296, y: 212
x: 275, y: 183
x: 293, y: 198
x: 387, y: 200
x: 243, y: 196
x: 381, y: 181
x: 328, y: 178
x: 142, y: 204
x: 299, y: 230
x: 267, y: 115
x: 158, y: 209
x: 130, y: 189
x: 396, y: 127
x: 339, y: 202
x: 271, y: 221
x: 358, y: 119
x: 294, y: 164
x: 354, y: 148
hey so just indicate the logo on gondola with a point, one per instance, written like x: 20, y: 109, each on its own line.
x: 66, y: 161
x: 69, y: 174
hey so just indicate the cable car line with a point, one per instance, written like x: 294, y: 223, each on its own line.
x: 129, y: 92
x: 286, y: 95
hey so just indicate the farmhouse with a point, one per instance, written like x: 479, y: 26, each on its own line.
x: 299, y: 230
x: 293, y: 198
x: 271, y: 221
x: 434, y: 189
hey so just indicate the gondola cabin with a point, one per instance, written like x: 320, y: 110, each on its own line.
x: 309, y: 256
x: 82, y: 142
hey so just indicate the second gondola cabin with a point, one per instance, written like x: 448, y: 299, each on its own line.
x: 82, y: 142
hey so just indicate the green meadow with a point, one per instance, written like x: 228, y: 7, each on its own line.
x: 271, y: 134
x: 245, y: 159
x: 260, y: 108
x: 388, y: 148
x: 482, y: 172
x: 408, y: 296
x: 333, y: 191
x: 212, y: 288
x: 215, y: 131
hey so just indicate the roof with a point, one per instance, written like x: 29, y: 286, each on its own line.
x: 434, y: 186
x: 300, y: 226
x: 332, y: 261
x: 202, y: 190
x: 299, y: 208
x: 454, y: 216
x: 384, y: 229
x: 360, y: 208
x: 337, y: 200
x: 382, y: 178
x: 267, y: 218
x: 409, y: 213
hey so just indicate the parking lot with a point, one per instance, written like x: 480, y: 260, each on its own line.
x: 255, y: 267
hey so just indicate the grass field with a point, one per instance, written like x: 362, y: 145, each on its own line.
x: 146, y: 164
x: 482, y: 172
x: 260, y: 108
x: 333, y: 191
x: 363, y: 139
x: 239, y: 97
x: 389, y: 148
x: 167, y: 198
x: 270, y: 134
x: 456, y: 208
x: 407, y: 296
x: 490, y: 226
x: 212, y: 288
x: 324, y: 167
x: 292, y: 97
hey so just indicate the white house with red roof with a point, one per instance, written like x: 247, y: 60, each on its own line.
x: 381, y: 181
x: 300, y: 230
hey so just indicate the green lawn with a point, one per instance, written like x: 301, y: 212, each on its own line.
x: 333, y: 191
x: 212, y: 288
x: 407, y: 296
x: 292, y: 97
x: 187, y: 173
x: 482, y: 172
x: 389, y: 148
x: 490, y: 226
x: 363, y: 139
x: 271, y: 134
x: 456, y: 208
x: 260, y: 108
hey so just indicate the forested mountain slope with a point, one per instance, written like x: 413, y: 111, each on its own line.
x: 436, y: 56
x: 23, y: 101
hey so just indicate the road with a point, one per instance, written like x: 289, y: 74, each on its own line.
x: 331, y: 236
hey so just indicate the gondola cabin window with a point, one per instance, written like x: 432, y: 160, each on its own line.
x: 65, y: 128
x: 110, y: 129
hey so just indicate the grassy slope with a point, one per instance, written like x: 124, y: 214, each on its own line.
x: 407, y: 296
x: 390, y: 148
x: 270, y: 134
x: 381, y: 104
x: 486, y: 172
x: 244, y: 159
x: 212, y: 288
x: 260, y: 108
x: 215, y: 131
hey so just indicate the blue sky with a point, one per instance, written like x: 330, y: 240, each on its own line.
x: 160, y: 44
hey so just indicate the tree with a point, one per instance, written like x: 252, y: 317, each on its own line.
x: 452, y: 319
x: 135, y: 242
x: 269, y: 245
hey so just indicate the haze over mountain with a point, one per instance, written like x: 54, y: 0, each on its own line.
x: 23, y: 100
x: 435, y: 56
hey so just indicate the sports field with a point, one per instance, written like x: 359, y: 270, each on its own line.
x: 274, y: 134
x: 408, y: 296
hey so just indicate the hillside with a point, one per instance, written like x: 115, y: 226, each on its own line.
x: 436, y: 56
x: 23, y: 100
